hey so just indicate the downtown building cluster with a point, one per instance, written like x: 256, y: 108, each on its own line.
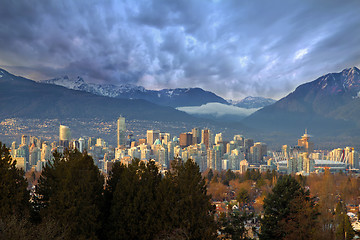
x: 200, y: 145
x: 208, y: 150
x: 303, y: 159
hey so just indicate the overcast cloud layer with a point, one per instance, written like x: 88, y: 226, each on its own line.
x: 233, y: 48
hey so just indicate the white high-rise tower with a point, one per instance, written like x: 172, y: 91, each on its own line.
x: 121, y: 129
x: 64, y: 136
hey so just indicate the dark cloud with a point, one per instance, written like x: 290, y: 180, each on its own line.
x: 234, y: 48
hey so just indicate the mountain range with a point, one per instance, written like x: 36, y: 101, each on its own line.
x: 177, y: 97
x: 167, y: 97
x: 21, y: 97
x: 328, y: 105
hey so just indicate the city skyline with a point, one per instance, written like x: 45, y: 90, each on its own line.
x: 233, y: 48
x: 238, y: 153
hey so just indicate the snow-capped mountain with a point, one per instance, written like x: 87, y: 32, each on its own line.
x: 107, y: 90
x: 330, y: 102
x: 252, y: 102
x: 24, y: 98
x: 168, y: 97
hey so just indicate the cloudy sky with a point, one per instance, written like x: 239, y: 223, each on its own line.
x: 233, y: 48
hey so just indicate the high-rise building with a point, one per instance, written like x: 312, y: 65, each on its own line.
x: 151, y: 136
x: 352, y: 157
x: 91, y: 142
x: 206, y: 138
x: 163, y: 157
x: 196, y: 135
x: 185, y: 139
x: 218, y: 138
x: 81, y: 144
x: 45, y: 152
x: 239, y: 140
x: 121, y: 129
x: 24, y: 140
x: 308, y: 164
x: 248, y: 143
x: 64, y: 136
x: 35, y: 155
x: 347, y: 155
x: 129, y: 140
x: 257, y: 152
x: 214, y: 158
x: 100, y: 142
x: 22, y: 156
x: 230, y: 146
x: 170, y: 147
x: 292, y: 164
x: 305, y: 143
x: 166, y: 138
x: 34, y: 140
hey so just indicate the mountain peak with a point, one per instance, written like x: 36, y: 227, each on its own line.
x: 329, y: 103
x: 348, y: 80
x: 350, y: 71
x: 253, y: 102
x: 80, y: 80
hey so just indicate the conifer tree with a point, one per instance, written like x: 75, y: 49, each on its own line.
x: 187, y: 206
x: 14, y: 198
x: 135, y: 209
x: 344, y: 230
x: 284, y: 208
x: 70, y: 191
x: 233, y: 226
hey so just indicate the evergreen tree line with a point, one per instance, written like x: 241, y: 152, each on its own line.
x: 73, y: 201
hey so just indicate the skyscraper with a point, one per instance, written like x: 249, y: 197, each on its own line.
x: 257, y: 152
x: 151, y: 136
x: 305, y: 143
x: 196, y: 135
x: 206, y: 138
x: 64, y: 136
x: 218, y: 138
x: 24, y: 140
x: 248, y: 143
x: 185, y: 139
x: 121, y: 129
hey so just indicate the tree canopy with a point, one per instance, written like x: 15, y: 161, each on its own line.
x: 70, y: 191
x: 145, y: 205
x: 288, y: 212
x: 14, y: 198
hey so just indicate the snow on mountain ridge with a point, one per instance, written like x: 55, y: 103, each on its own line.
x: 346, y: 81
x: 168, y: 97
x: 252, y: 102
x: 108, y: 90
